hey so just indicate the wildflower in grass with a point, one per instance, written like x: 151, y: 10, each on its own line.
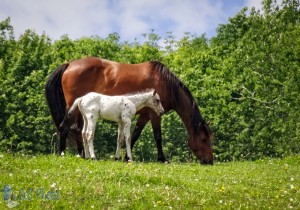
x: 1, y: 156
x: 292, y: 187
x: 147, y: 185
x: 35, y: 171
x: 292, y: 179
x: 53, y: 185
x: 222, y: 189
x: 10, y: 174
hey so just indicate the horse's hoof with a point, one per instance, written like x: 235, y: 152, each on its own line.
x: 163, y: 160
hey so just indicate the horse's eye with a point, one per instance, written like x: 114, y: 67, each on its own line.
x: 157, y: 100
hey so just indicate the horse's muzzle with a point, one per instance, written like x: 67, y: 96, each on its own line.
x: 206, y: 162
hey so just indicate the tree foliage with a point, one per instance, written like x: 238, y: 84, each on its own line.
x: 245, y: 80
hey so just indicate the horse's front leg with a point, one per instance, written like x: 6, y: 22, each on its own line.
x: 156, y: 127
x: 119, y: 141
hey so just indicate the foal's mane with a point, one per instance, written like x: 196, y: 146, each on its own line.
x: 173, y: 85
x: 139, y: 92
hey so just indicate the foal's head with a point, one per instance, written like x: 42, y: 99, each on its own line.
x: 154, y: 103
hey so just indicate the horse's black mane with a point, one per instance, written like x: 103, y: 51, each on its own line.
x: 173, y: 85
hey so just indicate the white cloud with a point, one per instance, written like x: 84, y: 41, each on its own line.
x: 129, y: 18
x: 254, y: 3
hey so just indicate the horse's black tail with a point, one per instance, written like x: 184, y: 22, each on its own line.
x: 55, y: 96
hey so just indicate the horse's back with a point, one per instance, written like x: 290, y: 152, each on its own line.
x: 104, y: 76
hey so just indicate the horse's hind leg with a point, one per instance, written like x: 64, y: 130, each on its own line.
x: 78, y: 136
x: 63, y: 133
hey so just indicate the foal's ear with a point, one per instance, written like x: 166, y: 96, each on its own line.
x: 154, y: 92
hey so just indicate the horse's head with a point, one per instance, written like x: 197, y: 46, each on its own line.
x: 155, y: 103
x: 200, y: 144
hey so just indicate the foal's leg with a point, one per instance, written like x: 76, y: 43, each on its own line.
x: 119, y: 141
x: 140, y: 124
x: 126, y: 131
x: 84, y: 137
x: 91, y: 127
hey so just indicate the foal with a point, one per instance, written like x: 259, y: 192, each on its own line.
x: 120, y: 109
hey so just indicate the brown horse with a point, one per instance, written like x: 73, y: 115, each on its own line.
x: 78, y: 77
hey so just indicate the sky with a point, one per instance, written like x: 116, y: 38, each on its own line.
x: 129, y: 18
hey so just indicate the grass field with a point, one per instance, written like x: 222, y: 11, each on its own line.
x: 51, y: 182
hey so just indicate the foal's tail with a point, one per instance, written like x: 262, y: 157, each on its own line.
x: 74, y: 107
x: 55, y: 96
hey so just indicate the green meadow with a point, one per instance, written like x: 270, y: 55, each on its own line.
x: 53, y: 182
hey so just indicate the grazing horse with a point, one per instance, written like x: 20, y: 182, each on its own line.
x: 76, y: 78
x: 120, y: 109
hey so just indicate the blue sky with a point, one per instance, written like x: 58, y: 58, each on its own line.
x: 129, y: 18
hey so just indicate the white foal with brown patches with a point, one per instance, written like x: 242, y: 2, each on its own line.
x: 120, y: 109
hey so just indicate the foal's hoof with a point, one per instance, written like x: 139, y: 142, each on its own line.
x: 117, y: 159
x: 129, y: 162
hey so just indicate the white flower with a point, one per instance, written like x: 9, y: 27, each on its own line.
x: 292, y: 179
x: 292, y: 187
x: 1, y: 156
x: 53, y: 185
